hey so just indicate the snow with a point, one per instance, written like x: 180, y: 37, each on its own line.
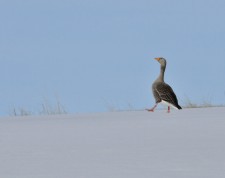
x: 189, y: 143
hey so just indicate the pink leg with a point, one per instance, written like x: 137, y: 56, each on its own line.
x: 168, y: 109
x: 152, y: 109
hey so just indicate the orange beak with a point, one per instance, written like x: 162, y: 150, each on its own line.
x: 157, y: 58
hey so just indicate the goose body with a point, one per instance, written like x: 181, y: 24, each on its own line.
x: 162, y: 92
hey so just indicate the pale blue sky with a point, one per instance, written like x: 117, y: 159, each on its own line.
x: 96, y: 54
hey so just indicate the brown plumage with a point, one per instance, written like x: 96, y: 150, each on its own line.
x: 162, y: 92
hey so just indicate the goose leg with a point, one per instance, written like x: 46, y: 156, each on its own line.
x: 152, y: 109
x: 168, y: 109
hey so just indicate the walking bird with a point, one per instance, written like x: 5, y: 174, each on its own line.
x: 162, y: 92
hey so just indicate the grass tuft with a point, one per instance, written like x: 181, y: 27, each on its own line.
x: 47, y: 108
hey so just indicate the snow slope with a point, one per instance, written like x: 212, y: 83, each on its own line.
x: 183, y: 144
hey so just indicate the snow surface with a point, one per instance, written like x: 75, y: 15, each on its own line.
x: 189, y: 143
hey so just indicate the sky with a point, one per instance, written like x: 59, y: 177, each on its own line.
x: 95, y: 56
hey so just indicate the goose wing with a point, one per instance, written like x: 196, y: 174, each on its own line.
x: 167, y: 94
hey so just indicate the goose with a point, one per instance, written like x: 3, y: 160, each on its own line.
x: 162, y: 92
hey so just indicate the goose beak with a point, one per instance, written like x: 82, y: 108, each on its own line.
x: 157, y: 58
